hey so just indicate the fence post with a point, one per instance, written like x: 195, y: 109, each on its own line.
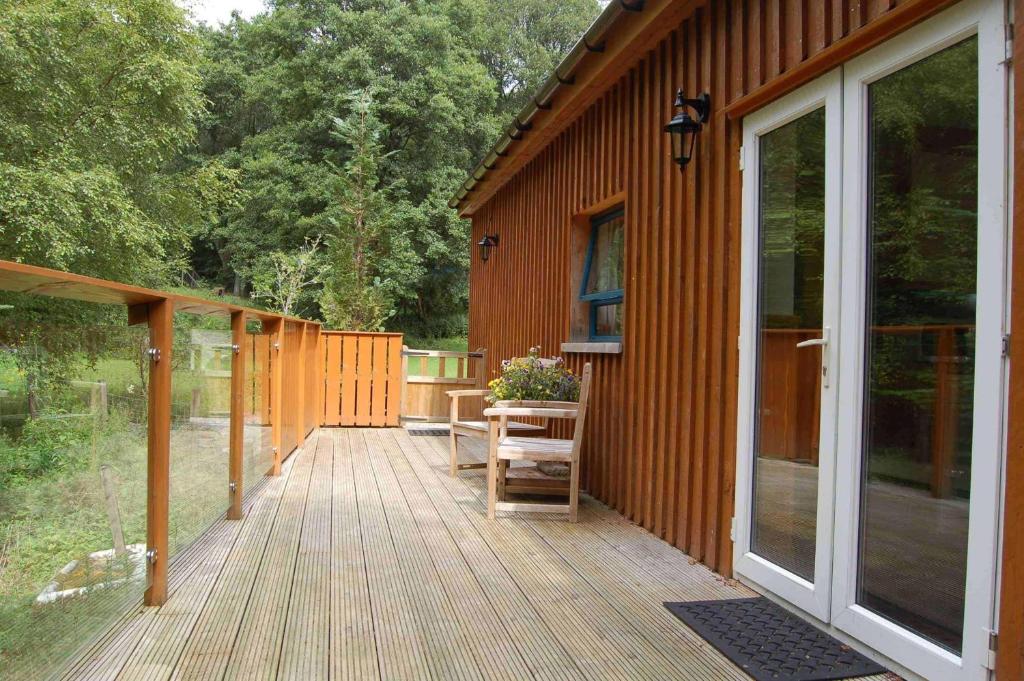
x: 158, y: 468
x: 276, y: 391
x: 404, y: 388
x: 236, y: 484
x: 299, y: 389
x: 321, y: 379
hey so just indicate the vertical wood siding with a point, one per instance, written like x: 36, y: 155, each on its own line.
x: 661, y: 434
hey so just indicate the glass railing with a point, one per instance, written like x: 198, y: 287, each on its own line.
x: 200, y: 422
x: 125, y: 434
x: 258, y: 442
x: 73, y: 420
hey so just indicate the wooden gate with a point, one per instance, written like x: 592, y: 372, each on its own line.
x: 428, y: 375
x: 363, y: 385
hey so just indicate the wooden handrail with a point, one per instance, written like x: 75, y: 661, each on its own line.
x: 18, y: 277
x: 442, y: 353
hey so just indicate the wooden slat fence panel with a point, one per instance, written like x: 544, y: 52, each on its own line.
x: 394, y: 382
x: 361, y: 376
x: 332, y: 380
x: 313, y: 379
x: 379, y: 382
x: 364, y: 380
x: 348, y: 380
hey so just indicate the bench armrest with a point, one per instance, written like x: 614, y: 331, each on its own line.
x: 539, y: 404
x: 468, y: 393
x: 543, y: 412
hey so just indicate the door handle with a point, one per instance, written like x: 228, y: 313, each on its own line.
x: 823, y: 343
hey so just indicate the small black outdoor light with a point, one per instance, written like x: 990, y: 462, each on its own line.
x: 486, y: 244
x: 684, y: 129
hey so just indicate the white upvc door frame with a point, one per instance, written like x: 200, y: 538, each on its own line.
x: 813, y: 598
x: 986, y: 18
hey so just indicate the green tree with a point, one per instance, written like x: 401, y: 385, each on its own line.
x: 522, y: 41
x: 286, y: 279
x: 372, y: 262
x: 275, y: 84
x: 96, y: 101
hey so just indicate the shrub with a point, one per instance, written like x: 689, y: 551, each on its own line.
x: 530, y: 378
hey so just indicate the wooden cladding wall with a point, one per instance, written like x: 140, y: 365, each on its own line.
x: 661, y: 432
x: 363, y: 378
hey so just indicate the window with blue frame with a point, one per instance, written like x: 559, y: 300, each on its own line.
x: 603, y: 276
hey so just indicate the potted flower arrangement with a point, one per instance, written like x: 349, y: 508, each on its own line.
x: 530, y: 379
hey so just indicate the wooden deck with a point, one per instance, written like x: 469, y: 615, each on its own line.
x: 365, y: 560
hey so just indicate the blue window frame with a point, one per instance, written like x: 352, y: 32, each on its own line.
x: 603, y: 272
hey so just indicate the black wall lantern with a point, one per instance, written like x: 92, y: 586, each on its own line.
x: 684, y: 129
x: 486, y: 244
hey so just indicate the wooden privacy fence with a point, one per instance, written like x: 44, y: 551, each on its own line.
x: 363, y: 378
x: 428, y: 375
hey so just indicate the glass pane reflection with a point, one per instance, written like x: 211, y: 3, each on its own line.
x: 922, y: 263
x: 790, y: 289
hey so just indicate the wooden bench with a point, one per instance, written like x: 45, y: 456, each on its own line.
x: 460, y: 426
x: 506, y: 447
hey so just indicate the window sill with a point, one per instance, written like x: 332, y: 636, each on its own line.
x: 593, y: 348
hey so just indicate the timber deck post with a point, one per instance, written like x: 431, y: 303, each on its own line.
x: 236, y: 484
x: 158, y: 468
x: 276, y: 391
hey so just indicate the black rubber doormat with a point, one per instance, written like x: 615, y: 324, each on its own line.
x: 428, y: 431
x: 770, y: 644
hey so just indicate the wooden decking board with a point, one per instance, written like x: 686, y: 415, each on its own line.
x: 603, y: 643
x: 353, y: 644
x: 488, y: 640
x: 107, y: 655
x: 208, y: 648
x: 533, y: 641
x: 305, y: 650
x: 401, y: 644
x: 637, y: 599
x: 365, y: 560
x: 156, y: 655
x: 447, y: 648
x: 257, y: 648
